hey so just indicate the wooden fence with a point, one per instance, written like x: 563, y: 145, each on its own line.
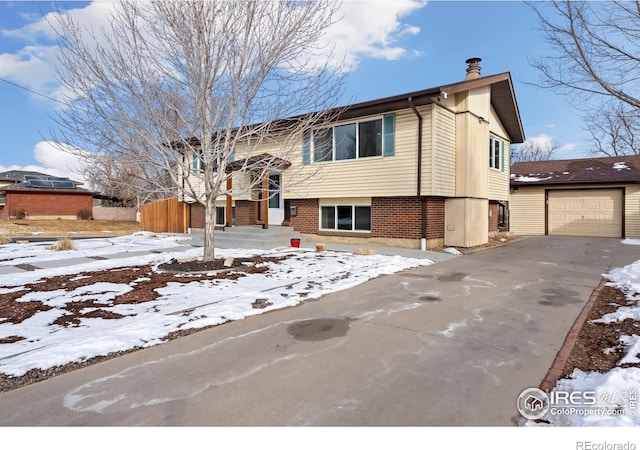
x: 165, y: 216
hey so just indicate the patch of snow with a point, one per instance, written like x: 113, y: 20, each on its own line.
x: 303, y: 275
x: 565, y: 173
x: 621, y: 166
x: 632, y: 344
x: 631, y: 241
x: 529, y: 179
x: 612, y: 390
x: 452, y: 251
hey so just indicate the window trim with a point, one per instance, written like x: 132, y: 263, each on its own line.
x: 353, y: 215
x: 333, y: 141
x: 501, y: 155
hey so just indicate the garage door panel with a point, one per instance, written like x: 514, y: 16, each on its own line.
x: 593, y: 212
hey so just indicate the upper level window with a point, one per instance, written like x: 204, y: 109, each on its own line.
x: 360, y: 139
x: 197, y: 161
x: 496, y: 153
x: 348, y: 141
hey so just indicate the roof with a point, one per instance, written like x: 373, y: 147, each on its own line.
x: 26, y: 187
x: 617, y: 169
x: 18, y: 176
x: 35, y: 181
x: 503, y: 101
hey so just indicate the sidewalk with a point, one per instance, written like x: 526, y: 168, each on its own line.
x: 197, y: 240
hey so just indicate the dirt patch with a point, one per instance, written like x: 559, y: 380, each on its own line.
x: 23, y: 228
x: 588, y: 353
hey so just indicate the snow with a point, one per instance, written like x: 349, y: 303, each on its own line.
x: 621, y: 166
x: 301, y: 276
x: 631, y: 241
x: 452, y: 251
x: 528, y: 179
x: 616, y: 390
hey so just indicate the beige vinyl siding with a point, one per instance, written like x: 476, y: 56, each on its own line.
x: 499, y: 179
x: 526, y: 210
x: 443, y: 153
x: 495, y: 125
x: 632, y: 212
x: 346, y: 201
x: 366, y: 177
x: 466, y: 222
x: 472, y: 142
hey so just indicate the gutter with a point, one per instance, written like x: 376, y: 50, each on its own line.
x: 423, y: 203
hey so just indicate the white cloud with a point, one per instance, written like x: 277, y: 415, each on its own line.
x: 53, y: 161
x: 371, y: 29
x: 368, y: 29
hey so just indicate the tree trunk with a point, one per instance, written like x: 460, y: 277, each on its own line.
x: 209, y: 228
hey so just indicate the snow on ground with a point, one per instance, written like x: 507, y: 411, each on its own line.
x: 453, y: 251
x: 616, y: 391
x: 303, y: 275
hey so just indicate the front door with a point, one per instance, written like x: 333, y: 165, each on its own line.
x: 276, y: 202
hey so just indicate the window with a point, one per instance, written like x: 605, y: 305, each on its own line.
x: 345, y: 218
x: 363, y: 139
x: 2, y: 198
x: 221, y: 215
x: 197, y: 162
x: 496, y: 156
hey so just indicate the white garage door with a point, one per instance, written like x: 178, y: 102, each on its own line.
x: 593, y: 212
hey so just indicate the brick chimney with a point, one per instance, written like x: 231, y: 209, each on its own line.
x: 473, y: 68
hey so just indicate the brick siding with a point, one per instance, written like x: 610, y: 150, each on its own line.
x: 391, y: 217
x: 47, y: 204
x: 493, y: 216
x: 197, y: 215
x: 246, y: 212
x: 307, y: 218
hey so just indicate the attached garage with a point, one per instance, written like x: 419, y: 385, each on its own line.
x: 591, y: 197
x: 585, y: 212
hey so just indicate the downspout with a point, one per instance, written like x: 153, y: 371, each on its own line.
x: 423, y: 204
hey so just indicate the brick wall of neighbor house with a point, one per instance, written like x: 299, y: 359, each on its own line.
x: 246, y: 212
x: 307, y: 218
x: 48, y: 204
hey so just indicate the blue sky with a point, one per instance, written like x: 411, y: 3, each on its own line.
x: 395, y: 47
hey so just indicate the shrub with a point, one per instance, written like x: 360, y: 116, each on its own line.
x: 84, y: 214
x: 19, y: 213
x: 63, y: 244
x: 4, y: 240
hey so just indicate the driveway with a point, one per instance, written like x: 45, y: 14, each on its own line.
x: 449, y: 344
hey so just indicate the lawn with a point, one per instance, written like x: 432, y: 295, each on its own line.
x: 45, y: 228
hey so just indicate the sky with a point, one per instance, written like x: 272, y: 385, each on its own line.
x: 393, y: 47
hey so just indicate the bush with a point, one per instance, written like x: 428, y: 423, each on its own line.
x: 4, y: 240
x: 63, y: 244
x: 19, y: 213
x: 84, y: 214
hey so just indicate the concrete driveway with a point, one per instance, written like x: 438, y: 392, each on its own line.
x: 449, y: 344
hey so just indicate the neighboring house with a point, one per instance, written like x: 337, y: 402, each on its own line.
x: 418, y: 170
x: 577, y: 197
x: 35, y: 195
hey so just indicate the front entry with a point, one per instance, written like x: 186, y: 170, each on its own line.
x: 276, y: 202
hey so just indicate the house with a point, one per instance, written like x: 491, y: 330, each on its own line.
x: 417, y: 170
x: 35, y: 195
x: 577, y: 197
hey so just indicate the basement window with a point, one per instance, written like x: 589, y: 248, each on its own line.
x: 345, y: 218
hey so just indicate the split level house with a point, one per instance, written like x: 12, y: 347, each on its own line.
x: 418, y: 170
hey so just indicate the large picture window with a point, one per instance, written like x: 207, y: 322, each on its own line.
x: 345, y: 218
x: 348, y: 141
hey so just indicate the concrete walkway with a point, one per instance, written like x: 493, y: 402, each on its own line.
x: 449, y: 344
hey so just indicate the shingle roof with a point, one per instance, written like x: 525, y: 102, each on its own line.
x: 618, y: 169
x: 18, y: 175
x: 26, y: 187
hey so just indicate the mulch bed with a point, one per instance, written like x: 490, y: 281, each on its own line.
x: 587, y: 353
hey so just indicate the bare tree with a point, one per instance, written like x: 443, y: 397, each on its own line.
x: 596, y: 60
x: 533, y: 150
x: 614, y: 129
x: 168, y: 80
